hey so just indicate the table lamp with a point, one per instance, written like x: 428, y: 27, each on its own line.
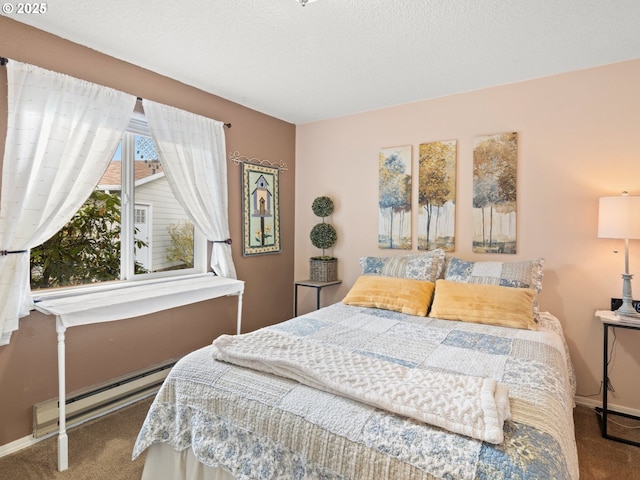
x: 619, y: 217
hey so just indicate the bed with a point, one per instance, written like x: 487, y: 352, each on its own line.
x: 430, y: 368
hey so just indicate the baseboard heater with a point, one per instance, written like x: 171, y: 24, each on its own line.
x: 100, y: 399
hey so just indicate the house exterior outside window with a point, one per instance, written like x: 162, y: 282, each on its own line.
x: 132, y: 227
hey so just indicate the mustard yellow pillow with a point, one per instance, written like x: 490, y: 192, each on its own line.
x: 488, y: 304
x: 404, y: 295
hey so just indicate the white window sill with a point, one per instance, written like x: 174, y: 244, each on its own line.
x: 118, y: 301
x: 79, y: 291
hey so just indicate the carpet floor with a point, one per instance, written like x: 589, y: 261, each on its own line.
x: 603, y: 459
x: 101, y: 450
x: 98, y: 450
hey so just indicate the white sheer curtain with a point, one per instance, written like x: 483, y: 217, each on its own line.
x: 192, y: 151
x: 61, y: 135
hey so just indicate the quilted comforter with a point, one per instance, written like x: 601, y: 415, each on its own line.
x: 472, y: 406
x: 260, y: 425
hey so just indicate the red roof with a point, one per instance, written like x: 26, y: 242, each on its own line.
x: 113, y: 174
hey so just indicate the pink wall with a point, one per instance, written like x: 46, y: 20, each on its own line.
x: 579, y: 139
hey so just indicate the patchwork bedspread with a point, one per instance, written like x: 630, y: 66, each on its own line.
x: 473, y: 406
x: 258, y: 425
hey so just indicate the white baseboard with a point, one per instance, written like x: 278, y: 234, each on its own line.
x: 591, y: 403
x: 19, y: 444
x: 30, y: 440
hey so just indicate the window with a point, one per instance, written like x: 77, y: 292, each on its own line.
x: 132, y: 226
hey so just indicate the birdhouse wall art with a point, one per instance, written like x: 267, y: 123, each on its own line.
x: 261, y: 211
x: 262, y: 199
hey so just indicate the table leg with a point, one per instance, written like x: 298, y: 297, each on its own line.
x: 318, y: 290
x: 63, y: 442
x: 604, y: 411
x: 605, y: 379
x: 239, y: 321
x: 295, y: 300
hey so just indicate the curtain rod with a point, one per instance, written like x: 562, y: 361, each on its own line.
x: 4, y: 61
x: 228, y: 125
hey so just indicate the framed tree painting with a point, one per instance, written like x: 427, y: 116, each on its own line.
x: 394, y: 200
x: 437, y: 195
x: 494, y: 193
x: 260, y: 209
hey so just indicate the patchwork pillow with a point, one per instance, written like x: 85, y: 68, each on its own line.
x: 486, y: 304
x: 524, y: 274
x: 426, y: 266
x: 404, y: 295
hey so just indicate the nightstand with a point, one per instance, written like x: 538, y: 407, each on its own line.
x: 610, y: 319
x: 311, y: 284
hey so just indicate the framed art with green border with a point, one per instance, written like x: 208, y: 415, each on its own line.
x: 260, y: 209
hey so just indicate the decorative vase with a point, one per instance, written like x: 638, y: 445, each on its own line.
x: 324, y: 270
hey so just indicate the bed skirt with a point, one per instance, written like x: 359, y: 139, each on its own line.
x: 164, y: 463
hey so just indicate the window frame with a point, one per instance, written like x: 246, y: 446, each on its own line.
x: 137, y: 126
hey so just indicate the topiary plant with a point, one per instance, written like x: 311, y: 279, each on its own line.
x: 322, y: 207
x: 323, y: 235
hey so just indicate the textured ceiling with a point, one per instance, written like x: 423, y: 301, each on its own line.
x: 337, y: 57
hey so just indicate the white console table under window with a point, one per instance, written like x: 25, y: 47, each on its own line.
x: 131, y: 300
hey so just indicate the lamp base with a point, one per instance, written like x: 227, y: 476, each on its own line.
x: 626, y: 308
x: 627, y: 313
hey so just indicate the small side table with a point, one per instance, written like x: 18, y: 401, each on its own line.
x: 311, y: 284
x: 610, y: 319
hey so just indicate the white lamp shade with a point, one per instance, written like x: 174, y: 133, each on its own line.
x: 619, y: 217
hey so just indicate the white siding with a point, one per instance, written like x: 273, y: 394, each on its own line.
x: 165, y: 210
